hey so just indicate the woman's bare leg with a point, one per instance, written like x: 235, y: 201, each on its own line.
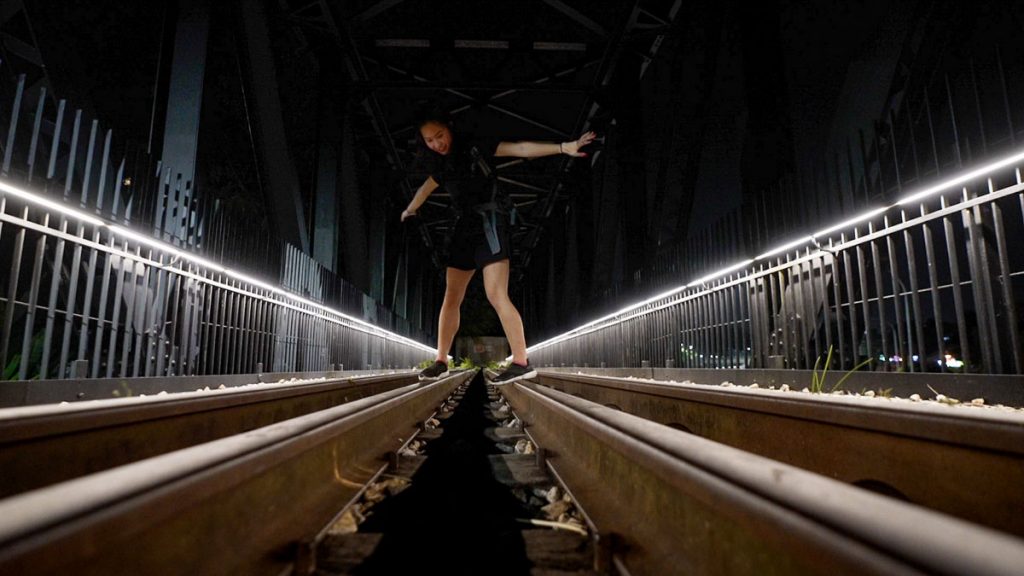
x: 456, y: 282
x: 496, y: 286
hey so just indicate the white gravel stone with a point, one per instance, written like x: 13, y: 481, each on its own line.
x: 978, y: 402
x: 870, y: 393
x: 784, y: 388
x: 754, y: 385
x: 915, y: 397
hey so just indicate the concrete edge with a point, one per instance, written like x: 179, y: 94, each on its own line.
x: 33, y: 392
x: 1005, y: 389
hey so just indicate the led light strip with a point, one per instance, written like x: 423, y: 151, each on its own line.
x: 803, y: 241
x: 127, y: 234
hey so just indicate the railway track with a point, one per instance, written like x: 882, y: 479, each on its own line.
x: 668, y: 502
x: 365, y: 487
x: 43, y: 445
x: 965, y: 462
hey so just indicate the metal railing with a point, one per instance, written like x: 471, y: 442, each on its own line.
x: 104, y: 276
x: 929, y: 283
x: 955, y: 113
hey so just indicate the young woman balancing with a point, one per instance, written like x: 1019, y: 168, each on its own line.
x: 462, y: 163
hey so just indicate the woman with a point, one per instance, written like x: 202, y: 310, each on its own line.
x: 463, y: 164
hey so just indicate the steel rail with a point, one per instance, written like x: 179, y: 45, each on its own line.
x: 963, y: 462
x: 679, y: 504
x: 93, y: 436
x: 239, y: 505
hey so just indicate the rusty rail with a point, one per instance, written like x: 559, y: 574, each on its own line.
x: 90, y: 437
x: 676, y: 503
x: 244, y: 504
x: 967, y: 463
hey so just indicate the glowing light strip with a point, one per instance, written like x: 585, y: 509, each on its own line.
x: 721, y: 272
x: 956, y: 181
x: 785, y: 247
x: 855, y: 220
x: 50, y: 204
x: 175, y: 252
x: 931, y: 190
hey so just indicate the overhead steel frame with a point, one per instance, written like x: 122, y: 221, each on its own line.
x: 320, y: 15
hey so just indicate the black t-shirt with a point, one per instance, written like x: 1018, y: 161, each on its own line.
x: 461, y: 175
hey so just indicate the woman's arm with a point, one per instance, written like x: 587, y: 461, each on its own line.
x: 425, y: 189
x: 538, y: 149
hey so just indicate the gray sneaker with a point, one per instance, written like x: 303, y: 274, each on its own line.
x: 514, y: 372
x: 434, y: 371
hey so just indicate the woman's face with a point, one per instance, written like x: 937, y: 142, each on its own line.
x: 437, y: 137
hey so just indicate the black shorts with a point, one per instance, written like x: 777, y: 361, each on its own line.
x: 469, y: 250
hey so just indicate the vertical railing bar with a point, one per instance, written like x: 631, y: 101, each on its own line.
x: 1006, y: 284
x: 130, y: 294
x: 168, y: 360
x: 205, y: 349
x: 36, y: 130
x: 800, y: 326
x: 104, y: 164
x: 902, y: 350
x: 156, y: 337
x: 30, y: 307
x: 838, y: 297
x: 895, y: 151
x: 826, y: 308
x: 977, y: 107
x: 222, y: 328
x: 977, y: 259
x: 933, y: 287
x: 952, y: 121
x: 931, y: 132
x: 915, y: 299
x: 5, y: 169
x: 1006, y: 101
x: 142, y: 312
x: 880, y: 292
x: 865, y: 297
x: 119, y: 294
x: 117, y: 191
x: 87, y: 176
x: 76, y: 262
x: 101, y: 319
x: 55, y: 144
x: 913, y: 145
x: 231, y: 352
x: 810, y: 309
x: 956, y: 285
x: 51, y: 306
x: 83, y: 340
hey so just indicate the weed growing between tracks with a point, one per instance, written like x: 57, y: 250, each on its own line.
x: 818, y: 380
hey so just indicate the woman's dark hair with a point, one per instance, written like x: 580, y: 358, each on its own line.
x: 425, y: 158
x: 428, y: 113
x: 432, y: 112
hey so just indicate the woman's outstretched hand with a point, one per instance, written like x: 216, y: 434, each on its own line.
x: 573, y: 148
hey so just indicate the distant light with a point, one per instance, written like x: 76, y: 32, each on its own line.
x: 916, y: 358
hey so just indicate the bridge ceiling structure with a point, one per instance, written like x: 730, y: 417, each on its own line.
x: 517, y: 70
